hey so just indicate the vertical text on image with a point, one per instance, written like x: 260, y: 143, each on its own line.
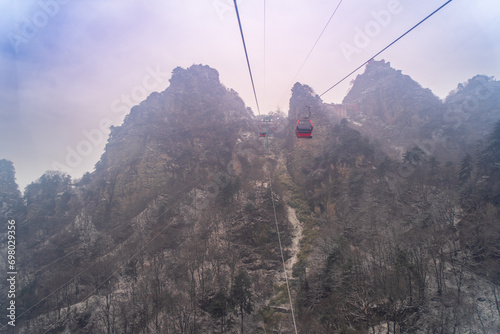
x: 11, y: 273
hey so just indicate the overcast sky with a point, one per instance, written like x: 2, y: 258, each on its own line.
x: 71, y: 68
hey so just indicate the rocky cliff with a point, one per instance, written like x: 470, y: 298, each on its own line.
x: 396, y: 111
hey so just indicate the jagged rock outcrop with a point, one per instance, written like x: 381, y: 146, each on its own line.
x: 392, y: 108
x: 396, y: 111
x: 169, y: 139
x: 471, y: 112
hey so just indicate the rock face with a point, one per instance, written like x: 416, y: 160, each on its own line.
x: 167, y: 140
x: 397, y: 112
x: 175, y: 231
x: 472, y: 110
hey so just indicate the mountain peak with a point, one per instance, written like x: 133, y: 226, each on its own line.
x: 380, y: 76
x: 194, y: 74
x: 195, y: 105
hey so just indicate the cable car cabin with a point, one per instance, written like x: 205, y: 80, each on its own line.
x: 304, y: 128
x: 262, y: 132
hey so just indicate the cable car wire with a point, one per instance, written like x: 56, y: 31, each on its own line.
x: 147, y: 243
x: 317, y: 40
x: 315, y: 43
x: 388, y: 46
x: 282, y: 257
x: 246, y: 55
x: 264, y: 42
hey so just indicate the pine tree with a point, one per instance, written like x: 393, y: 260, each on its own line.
x: 493, y: 149
x: 241, y: 295
x: 465, y: 170
x: 9, y: 191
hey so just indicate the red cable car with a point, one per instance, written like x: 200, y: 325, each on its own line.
x: 262, y: 132
x: 304, y: 128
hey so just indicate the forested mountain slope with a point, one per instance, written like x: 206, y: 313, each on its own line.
x: 388, y: 216
x: 408, y: 245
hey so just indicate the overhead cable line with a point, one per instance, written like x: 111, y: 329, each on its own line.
x: 281, y: 250
x: 246, y: 55
x: 317, y: 40
x: 315, y: 43
x: 397, y: 39
x: 264, y: 41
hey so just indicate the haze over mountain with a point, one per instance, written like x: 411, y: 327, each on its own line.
x: 69, y: 68
x: 396, y: 111
x: 387, y: 217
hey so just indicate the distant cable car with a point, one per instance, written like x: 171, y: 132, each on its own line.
x: 266, y: 123
x: 304, y: 128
